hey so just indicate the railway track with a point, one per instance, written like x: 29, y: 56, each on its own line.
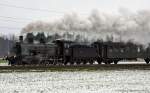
x: 75, y: 67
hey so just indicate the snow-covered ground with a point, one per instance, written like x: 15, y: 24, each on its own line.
x: 4, y: 64
x: 122, y: 81
x: 121, y: 62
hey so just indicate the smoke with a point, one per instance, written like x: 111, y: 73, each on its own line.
x: 126, y: 26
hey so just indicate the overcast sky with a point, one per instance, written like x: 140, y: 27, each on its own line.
x: 15, y: 14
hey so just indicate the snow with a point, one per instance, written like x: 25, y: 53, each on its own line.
x: 113, y: 81
x: 4, y: 64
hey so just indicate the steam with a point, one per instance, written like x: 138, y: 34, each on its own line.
x: 125, y: 26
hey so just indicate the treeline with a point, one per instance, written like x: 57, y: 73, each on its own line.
x: 41, y: 37
x: 6, y: 44
x: 45, y: 38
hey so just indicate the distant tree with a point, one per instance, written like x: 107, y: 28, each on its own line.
x: 109, y: 38
x: 99, y: 40
x: 41, y: 37
x: 78, y: 38
x: 30, y: 38
x: 49, y: 38
x: 56, y: 36
x: 67, y: 35
x: 12, y: 38
x: 6, y: 44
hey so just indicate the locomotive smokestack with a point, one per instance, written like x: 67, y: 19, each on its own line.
x: 21, y: 39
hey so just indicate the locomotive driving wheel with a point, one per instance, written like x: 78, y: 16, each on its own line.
x: 72, y: 62
x: 78, y: 62
x: 99, y: 61
x: 147, y: 60
x: 107, y: 61
x: 84, y: 62
x: 91, y: 62
x: 115, y: 61
x: 65, y: 62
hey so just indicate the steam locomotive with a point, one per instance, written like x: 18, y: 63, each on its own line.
x: 62, y: 52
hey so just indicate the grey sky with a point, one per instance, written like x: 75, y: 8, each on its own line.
x: 15, y: 14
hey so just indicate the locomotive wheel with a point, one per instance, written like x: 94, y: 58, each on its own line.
x: 99, y: 62
x: 84, y: 62
x: 71, y: 63
x: 50, y: 62
x: 115, y: 62
x: 54, y: 63
x: 65, y: 63
x: 33, y: 63
x: 78, y: 63
x: 43, y: 62
x: 107, y: 62
x: 91, y: 62
x: 147, y: 60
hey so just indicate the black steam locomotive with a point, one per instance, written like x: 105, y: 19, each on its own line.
x: 62, y: 52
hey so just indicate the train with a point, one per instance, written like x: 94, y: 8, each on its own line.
x: 63, y: 52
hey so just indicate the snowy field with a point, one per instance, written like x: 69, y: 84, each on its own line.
x: 110, y: 81
x: 121, y: 62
